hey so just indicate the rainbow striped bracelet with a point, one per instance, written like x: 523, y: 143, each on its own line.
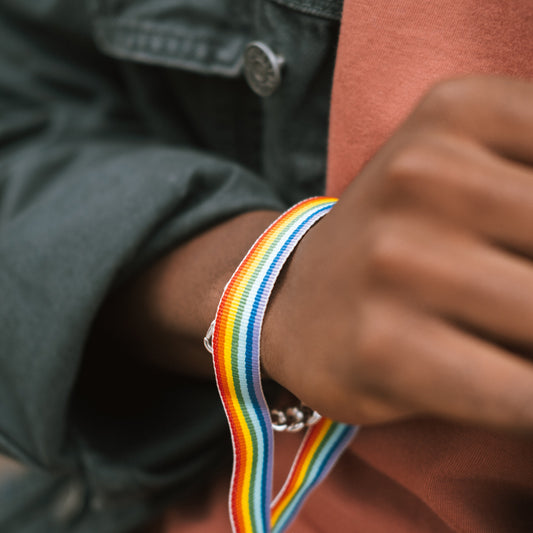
x: 236, y: 348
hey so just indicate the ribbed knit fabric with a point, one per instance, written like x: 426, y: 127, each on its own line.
x: 390, y: 53
x: 422, y: 477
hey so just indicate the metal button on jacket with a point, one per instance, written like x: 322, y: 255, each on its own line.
x: 262, y: 68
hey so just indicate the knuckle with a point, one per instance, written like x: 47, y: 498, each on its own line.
x: 407, y: 165
x: 519, y: 413
x: 377, y: 342
x: 426, y: 162
x: 371, y: 408
x: 447, y: 100
x: 387, y: 250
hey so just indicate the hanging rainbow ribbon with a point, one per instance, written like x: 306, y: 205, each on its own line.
x: 236, y: 339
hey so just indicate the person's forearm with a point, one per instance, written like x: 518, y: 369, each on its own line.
x: 393, y: 305
x: 162, y: 315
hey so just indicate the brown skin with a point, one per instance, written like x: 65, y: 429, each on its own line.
x: 429, y: 276
x: 162, y: 316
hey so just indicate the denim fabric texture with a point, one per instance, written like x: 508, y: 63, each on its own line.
x: 126, y: 127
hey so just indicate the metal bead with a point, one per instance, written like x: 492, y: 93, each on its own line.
x: 295, y: 414
x: 279, y: 420
x: 208, y: 339
x: 313, y: 419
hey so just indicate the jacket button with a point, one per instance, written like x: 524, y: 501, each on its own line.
x: 262, y: 68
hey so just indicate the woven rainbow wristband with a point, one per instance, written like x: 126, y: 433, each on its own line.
x: 236, y: 341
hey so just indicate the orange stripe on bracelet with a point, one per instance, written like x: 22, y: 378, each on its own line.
x: 236, y: 348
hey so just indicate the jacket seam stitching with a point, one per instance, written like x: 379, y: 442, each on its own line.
x: 307, y: 10
x: 105, y: 27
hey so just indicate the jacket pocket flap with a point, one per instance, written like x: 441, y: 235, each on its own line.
x: 186, y: 35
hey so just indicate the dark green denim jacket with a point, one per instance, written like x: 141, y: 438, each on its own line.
x: 125, y: 128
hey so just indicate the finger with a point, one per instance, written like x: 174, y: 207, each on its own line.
x: 471, y: 187
x: 435, y: 369
x: 495, y: 111
x: 457, y: 276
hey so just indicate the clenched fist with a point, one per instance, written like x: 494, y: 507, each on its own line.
x: 405, y: 299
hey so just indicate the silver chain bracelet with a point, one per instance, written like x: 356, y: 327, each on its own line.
x: 293, y: 419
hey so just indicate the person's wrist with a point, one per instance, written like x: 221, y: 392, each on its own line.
x: 288, y: 317
x: 274, y: 334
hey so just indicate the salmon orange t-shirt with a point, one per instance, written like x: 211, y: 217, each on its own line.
x: 423, y: 476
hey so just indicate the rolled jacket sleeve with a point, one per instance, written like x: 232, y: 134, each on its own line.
x: 87, y: 198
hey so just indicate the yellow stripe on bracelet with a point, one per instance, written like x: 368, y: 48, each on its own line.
x: 236, y: 348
